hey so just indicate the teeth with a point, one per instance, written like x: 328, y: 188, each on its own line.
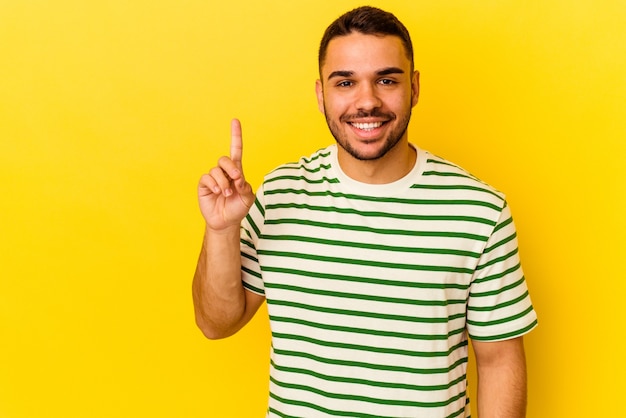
x: 367, y: 126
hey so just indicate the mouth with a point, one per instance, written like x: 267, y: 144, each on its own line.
x: 366, y: 126
x: 369, y: 131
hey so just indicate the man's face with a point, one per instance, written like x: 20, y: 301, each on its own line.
x: 366, y: 93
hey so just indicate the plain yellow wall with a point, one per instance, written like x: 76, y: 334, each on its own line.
x: 111, y: 110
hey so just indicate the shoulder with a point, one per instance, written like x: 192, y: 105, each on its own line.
x: 311, y: 168
x: 444, y: 175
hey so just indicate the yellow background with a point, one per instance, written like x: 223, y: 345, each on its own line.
x: 111, y: 110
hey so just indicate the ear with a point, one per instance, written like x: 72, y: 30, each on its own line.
x: 415, y: 87
x: 319, y: 92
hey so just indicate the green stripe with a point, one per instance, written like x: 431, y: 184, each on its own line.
x: 363, y: 314
x: 253, y: 288
x: 296, y: 167
x: 501, y: 243
x: 329, y: 412
x: 373, y: 349
x: 503, y: 320
x: 438, y: 160
x: 498, y: 306
x: 508, y: 335
x: 251, y: 272
x: 330, y: 276
x: 499, y: 275
x: 337, y: 413
x: 359, y: 228
x: 441, y: 161
x: 373, y: 366
x: 254, y: 226
x: 356, y: 244
x: 460, y: 411
x: 367, y: 382
x: 447, y: 174
x: 280, y: 414
x: 319, y: 154
x: 392, y: 215
x: 366, y: 297
x: 444, y: 162
x: 258, y: 205
x: 303, y: 178
x: 497, y: 260
x: 504, y: 223
x: 370, y: 263
x: 358, y: 398
x: 247, y: 243
x: 456, y: 187
x: 250, y: 257
x: 377, y: 401
x: 379, y: 199
x: 497, y: 291
x: 367, y: 331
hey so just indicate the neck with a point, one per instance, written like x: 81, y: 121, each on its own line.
x: 394, y: 165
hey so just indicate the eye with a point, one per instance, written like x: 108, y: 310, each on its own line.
x: 344, y: 83
x: 387, y: 81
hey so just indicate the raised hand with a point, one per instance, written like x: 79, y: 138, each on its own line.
x: 223, y: 194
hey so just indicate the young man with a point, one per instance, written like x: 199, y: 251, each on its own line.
x: 377, y: 259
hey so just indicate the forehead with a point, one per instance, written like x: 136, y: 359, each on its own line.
x: 362, y: 53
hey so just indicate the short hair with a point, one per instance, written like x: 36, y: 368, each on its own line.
x: 368, y: 21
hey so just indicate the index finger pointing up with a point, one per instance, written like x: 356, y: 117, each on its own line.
x: 236, y: 142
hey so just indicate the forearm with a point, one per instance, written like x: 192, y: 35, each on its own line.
x: 218, y: 293
x: 502, y: 381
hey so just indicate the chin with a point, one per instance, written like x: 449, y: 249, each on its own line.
x: 366, y: 154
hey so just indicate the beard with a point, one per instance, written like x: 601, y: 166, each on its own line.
x: 392, y: 139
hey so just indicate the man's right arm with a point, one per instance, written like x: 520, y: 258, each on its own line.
x: 222, y: 306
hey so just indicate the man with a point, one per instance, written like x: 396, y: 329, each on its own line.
x: 377, y: 259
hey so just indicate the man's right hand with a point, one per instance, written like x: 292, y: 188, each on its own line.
x: 223, y: 194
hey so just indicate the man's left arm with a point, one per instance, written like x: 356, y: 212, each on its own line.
x: 501, y: 367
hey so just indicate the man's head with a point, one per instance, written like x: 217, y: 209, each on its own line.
x: 368, y: 21
x: 367, y: 84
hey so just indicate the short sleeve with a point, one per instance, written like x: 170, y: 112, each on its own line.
x: 499, y: 305
x: 250, y: 233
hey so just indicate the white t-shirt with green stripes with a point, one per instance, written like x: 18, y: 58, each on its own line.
x: 372, y: 290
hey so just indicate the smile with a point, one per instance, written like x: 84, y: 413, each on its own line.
x: 367, y: 126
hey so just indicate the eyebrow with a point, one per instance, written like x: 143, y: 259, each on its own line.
x: 390, y: 70
x: 340, y: 74
x: 384, y: 71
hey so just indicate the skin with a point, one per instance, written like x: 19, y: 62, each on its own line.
x: 368, y: 79
x: 364, y: 79
x: 221, y: 304
x: 501, y: 368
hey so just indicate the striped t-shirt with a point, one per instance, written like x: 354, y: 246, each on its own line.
x: 372, y: 290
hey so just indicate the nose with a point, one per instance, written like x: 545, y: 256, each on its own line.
x: 367, y: 97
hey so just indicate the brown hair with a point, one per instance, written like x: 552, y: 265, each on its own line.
x: 368, y: 21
